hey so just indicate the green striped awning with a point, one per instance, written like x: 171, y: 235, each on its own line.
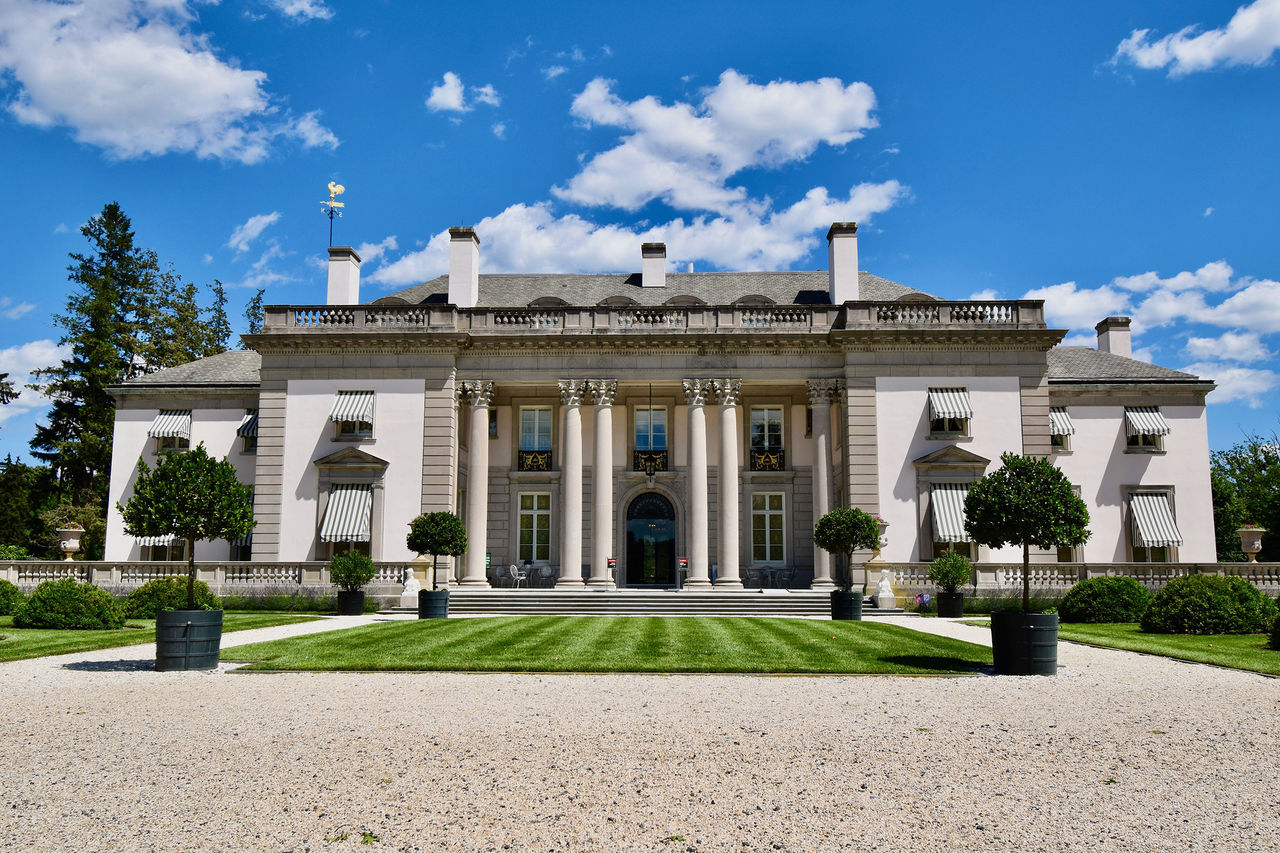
x: 1145, y: 420
x: 1153, y: 522
x: 352, y: 406
x: 950, y: 403
x: 1060, y: 422
x: 948, y: 511
x: 171, y: 423
x: 248, y: 424
x: 349, y: 515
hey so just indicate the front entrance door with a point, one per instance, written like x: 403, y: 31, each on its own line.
x: 651, y: 542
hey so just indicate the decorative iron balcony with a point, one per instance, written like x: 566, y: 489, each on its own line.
x: 768, y: 460
x: 642, y: 460
x: 533, y: 460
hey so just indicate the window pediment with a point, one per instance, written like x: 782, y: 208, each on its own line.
x: 351, y: 459
x: 952, y: 459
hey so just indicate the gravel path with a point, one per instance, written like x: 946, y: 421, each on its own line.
x: 1118, y: 752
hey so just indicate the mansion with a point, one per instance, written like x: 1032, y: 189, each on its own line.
x: 661, y: 429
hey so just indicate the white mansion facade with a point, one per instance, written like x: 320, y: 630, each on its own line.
x: 655, y: 418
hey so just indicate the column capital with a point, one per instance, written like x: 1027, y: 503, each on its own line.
x: 727, y: 391
x: 696, y: 391
x: 823, y: 391
x: 602, y: 391
x: 571, y: 391
x: 478, y: 391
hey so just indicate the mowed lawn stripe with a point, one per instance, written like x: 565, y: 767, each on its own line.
x: 621, y: 644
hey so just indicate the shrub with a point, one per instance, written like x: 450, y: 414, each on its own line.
x: 950, y: 570
x: 1275, y: 635
x: 10, y: 598
x: 1105, y: 600
x: 14, y: 552
x: 351, y: 570
x: 843, y: 531
x: 307, y: 601
x: 437, y: 533
x: 1209, y: 604
x: 66, y: 604
x: 167, y: 594
x: 987, y: 604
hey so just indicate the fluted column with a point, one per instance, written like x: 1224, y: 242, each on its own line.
x: 820, y: 394
x: 727, y: 393
x: 478, y: 393
x: 602, y: 391
x: 571, y: 482
x: 695, y: 396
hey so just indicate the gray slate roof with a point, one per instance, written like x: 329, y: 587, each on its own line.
x: 1089, y: 364
x: 234, y: 367
x: 803, y: 287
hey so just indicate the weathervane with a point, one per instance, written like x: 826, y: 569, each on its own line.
x: 332, y: 206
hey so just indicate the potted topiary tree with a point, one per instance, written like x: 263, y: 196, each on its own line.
x: 350, y: 571
x: 191, y: 496
x: 843, y: 531
x: 1025, y: 502
x: 948, y: 571
x: 436, y: 533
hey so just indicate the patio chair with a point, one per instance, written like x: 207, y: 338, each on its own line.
x: 753, y: 577
x: 546, y: 576
x: 518, y: 575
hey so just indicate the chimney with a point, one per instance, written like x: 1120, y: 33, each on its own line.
x: 464, y: 267
x: 842, y: 262
x: 344, y: 276
x: 653, y: 264
x: 1113, y: 336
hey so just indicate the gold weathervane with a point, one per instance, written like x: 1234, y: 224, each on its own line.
x: 331, y: 206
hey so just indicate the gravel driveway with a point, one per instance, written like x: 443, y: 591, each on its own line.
x: 1118, y: 752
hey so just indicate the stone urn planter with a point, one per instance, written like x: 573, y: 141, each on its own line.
x: 1250, y: 541
x: 881, y: 527
x: 69, y: 540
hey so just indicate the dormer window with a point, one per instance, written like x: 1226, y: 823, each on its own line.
x: 1145, y: 429
x: 352, y: 413
x: 949, y: 412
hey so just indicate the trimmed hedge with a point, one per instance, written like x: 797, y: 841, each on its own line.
x: 1105, y: 600
x: 1275, y: 635
x: 66, y: 604
x: 1209, y: 604
x: 10, y: 598
x: 167, y: 594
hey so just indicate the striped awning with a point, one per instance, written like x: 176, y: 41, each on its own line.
x: 1060, y: 422
x: 349, y: 514
x: 950, y: 403
x: 1153, y: 522
x: 352, y: 406
x: 152, y: 541
x: 171, y: 423
x: 248, y: 424
x: 1145, y: 420
x: 948, y: 511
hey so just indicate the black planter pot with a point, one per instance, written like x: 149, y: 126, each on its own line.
x: 1024, y: 643
x: 187, y: 639
x: 433, y: 604
x: 846, y: 605
x: 350, y: 602
x: 950, y: 604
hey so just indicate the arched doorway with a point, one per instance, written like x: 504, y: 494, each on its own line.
x: 651, y: 542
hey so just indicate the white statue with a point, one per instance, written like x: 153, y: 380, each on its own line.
x: 885, y: 599
x: 409, y: 597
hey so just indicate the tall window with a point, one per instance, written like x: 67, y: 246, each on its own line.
x: 650, y: 439
x: 766, y: 439
x: 535, y: 527
x: 767, y: 538
x: 535, y: 439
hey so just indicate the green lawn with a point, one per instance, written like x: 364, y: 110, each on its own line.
x: 22, y: 643
x: 621, y: 644
x: 1238, y: 651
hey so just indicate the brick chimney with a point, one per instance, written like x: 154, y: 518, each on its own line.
x: 464, y: 267
x: 1113, y: 336
x: 842, y: 262
x: 344, y: 276
x: 653, y: 264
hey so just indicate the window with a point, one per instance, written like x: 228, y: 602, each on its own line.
x: 161, y: 549
x: 1060, y: 429
x: 172, y: 444
x: 767, y: 537
x: 1153, y: 529
x: 964, y: 549
x: 650, y: 439
x: 172, y: 430
x: 352, y: 412
x: 348, y: 518
x: 947, y: 509
x: 248, y: 431
x: 1145, y: 429
x: 949, y: 412
x: 493, y: 423
x: 242, y: 548
x: 535, y: 527
x: 808, y: 421
x: 766, y: 439
x: 535, y: 439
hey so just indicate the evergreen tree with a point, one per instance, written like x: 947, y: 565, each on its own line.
x: 253, y: 312
x: 1246, y: 490
x: 219, y: 329
x: 7, y: 392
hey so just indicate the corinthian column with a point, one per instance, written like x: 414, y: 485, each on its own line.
x: 695, y: 395
x: 820, y: 394
x: 571, y: 480
x: 479, y: 393
x: 727, y: 393
x: 602, y: 391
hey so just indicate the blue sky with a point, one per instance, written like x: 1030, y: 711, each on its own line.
x: 1107, y: 157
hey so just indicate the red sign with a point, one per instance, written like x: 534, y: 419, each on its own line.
x: 613, y: 562
x: 683, y: 562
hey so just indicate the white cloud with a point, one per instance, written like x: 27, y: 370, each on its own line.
x: 1208, y: 211
x: 245, y: 234
x: 499, y: 129
x: 261, y: 273
x: 1079, y: 340
x: 985, y: 295
x: 312, y: 133
x: 1212, y: 276
x: 12, y: 311
x: 372, y: 251
x: 1164, y: 307
x: 553, y: 71
x: 1256, y: 307
x: 208, y: 258
x: 1252, y: 386
x: 305, y: 10
x: 133, y: 78
x: 19, y: 362
x: 486, y: 94
x: 1067, y: 306
x: 1232, y: 346
x: 1249, y: 38
x: 61, y: 228
x: 684, y: 153
x: 449, y: 96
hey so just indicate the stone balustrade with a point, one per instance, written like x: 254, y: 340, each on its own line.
x: 223, y: 578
